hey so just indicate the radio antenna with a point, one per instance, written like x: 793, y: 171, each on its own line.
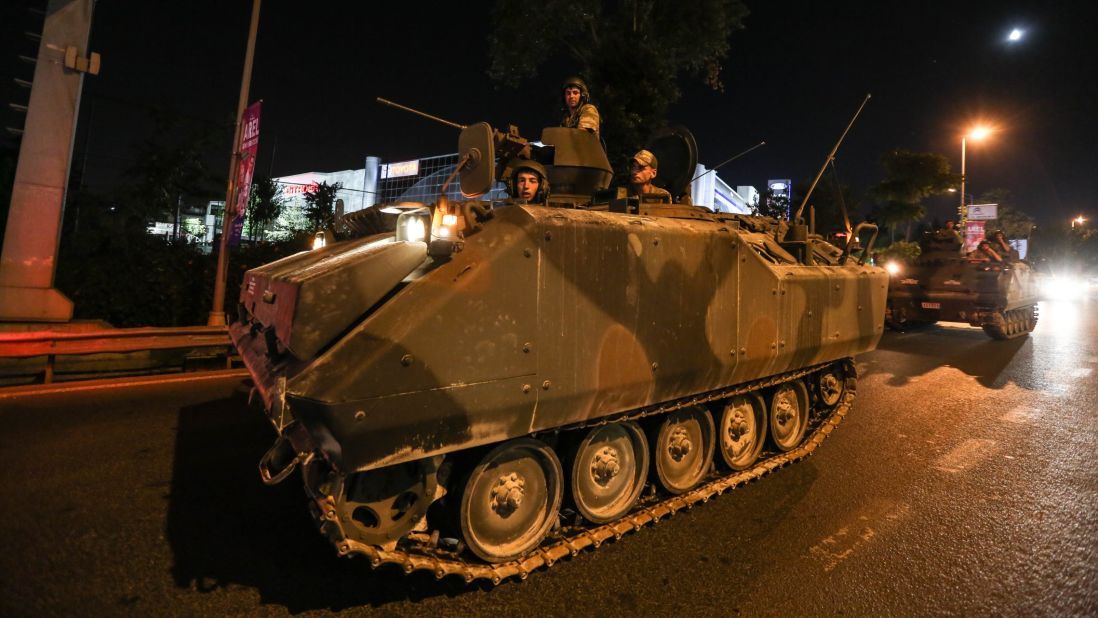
x: 830, y: 156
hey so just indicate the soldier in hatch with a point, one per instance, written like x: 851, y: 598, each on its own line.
x: 1001, y: 246
x: 642, y: 171
x: 579, y: 112
x: 950, y: 231
x: 985, y: 253
x: 529, y: 183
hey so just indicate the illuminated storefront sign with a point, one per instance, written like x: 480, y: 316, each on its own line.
x: 983, y: 212
x: 299, y: 189
x: 399, y: 170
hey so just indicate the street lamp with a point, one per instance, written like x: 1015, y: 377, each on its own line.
x: 1078, y: 221
x: 977, y: 133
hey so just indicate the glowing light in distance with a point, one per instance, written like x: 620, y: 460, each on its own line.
x: 1015, y: 35
x: 893, y: 268
x: 978, y: 133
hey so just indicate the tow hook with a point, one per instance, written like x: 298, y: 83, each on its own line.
x: 278, y: 462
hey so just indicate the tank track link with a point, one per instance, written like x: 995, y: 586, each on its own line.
x: 568, y: 540
x: 1012, y: 324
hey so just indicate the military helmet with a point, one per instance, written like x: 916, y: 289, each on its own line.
x: 529, y: 166
x: 576, y: 82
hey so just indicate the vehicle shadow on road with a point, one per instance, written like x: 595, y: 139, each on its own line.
x: 931, y: 347
x: 225, y: 527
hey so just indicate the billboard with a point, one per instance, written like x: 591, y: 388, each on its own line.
x: 249, y: 144
x: 982, y: 212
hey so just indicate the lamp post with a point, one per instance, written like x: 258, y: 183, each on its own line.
x: 977, y: 133
x: 1078, y: 221
x: 217, y: 311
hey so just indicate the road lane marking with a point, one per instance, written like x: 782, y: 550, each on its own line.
x: 1021, y: 415
x: 833, y: 549
x: 966, y: 455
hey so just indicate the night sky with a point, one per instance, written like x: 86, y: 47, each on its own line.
x: 793, y: 77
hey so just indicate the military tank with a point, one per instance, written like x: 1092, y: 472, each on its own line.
x: 492, y: 387
x: 941, y: 284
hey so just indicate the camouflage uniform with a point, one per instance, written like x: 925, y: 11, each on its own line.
x: 586, y: 115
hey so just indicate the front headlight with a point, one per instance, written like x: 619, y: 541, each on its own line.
x: 412, y: 226
x: 414, y: 229
x: 1062, y: 287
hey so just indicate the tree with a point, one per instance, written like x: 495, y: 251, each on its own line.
x: 910, y: 177
x: 828, y: 201
x: 169, y: 167
x: 265, y: 204
x: 1013, y: 222
x: 320, y: 205
x: 631, y: 54
x: 771, y: 204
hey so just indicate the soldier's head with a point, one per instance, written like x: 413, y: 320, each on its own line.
x: 529, y: 181
x: 642, y: 169
x: 574, y: 93
x: 998, y: 235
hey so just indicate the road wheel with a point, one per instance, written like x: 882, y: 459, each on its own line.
x: 608, y: 470
x: 683, y: 449
x: 511, y: 499
x: 788, y: 415
x: 830, y: 387
x: 742, y: 431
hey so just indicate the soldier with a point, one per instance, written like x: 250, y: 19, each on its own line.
x: 579, y: 112
x: 999, y: 243
x: 529, y: 183
x: 985, y: 253
x: 950, y: 230
x: 642, y: 171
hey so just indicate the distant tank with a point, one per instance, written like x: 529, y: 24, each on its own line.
x: 944, y: 285
x: 495, y: 386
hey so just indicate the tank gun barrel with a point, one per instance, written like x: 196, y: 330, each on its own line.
x: 419, y: 113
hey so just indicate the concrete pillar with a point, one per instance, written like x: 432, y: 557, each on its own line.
x: 33, y: 230
x: 369, y: 181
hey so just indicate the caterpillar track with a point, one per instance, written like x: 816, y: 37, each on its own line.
x: 1012, y: 324
x: 421, y: 552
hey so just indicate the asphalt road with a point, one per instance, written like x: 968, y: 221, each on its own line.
x: 961, y: 484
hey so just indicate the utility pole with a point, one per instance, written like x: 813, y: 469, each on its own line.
x: 217, y: 312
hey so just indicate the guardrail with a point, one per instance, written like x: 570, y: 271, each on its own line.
x: 119, y: 340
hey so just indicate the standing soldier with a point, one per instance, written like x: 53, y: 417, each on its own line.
x: 579, y: 112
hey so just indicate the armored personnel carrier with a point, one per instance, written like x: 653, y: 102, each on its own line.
x: 495, y: 386
x: 943, y: 285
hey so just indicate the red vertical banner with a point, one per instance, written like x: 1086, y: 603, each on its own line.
x: 974, y: 233
x: 249, y: 144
